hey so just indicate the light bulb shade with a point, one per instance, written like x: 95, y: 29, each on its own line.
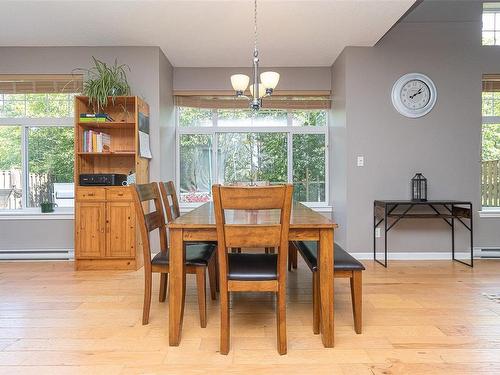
x: 240, y: 82
x: 262, y: 90
x: 270, y: 79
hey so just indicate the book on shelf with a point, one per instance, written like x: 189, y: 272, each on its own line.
x: 95, y: 117
x: 94, y: 141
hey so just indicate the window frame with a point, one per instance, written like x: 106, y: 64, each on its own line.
x: 486, y: 120
x: 215, y: 129
x: 495, y: 10
x: 26, y: 123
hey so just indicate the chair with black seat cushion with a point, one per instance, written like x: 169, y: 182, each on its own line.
x: 198, y: 256
x: 345, y: 265
x: 238, y: 225
x: 171, y: 204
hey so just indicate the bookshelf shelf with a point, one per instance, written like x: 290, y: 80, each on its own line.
x: 108, y: 125
x: 115, y: 153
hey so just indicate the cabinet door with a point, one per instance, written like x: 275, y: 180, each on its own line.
x: 120, y: 228
x: 90, y: 236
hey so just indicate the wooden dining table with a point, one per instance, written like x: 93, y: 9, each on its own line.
x: 199, y: 225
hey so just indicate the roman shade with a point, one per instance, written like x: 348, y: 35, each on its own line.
x: 40, y: 83
x: 491, y: 82
x: 289, y: 101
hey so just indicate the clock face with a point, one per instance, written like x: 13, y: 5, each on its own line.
x: 414, y: 95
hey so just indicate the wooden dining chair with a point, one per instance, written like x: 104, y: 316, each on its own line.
x: 198, y: 256
x: 245, y: 272
x: 171, y: 205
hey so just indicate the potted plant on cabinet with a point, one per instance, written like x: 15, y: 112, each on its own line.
x: 103, y: 81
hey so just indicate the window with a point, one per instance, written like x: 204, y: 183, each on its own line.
x: 491, y: 142
x: 36, y: 149
x: 272, y: 146
x: 491, y: 24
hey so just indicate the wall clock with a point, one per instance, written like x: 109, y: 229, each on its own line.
x: 414, y: 95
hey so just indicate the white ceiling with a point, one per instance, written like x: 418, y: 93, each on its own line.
x: 205, y: 33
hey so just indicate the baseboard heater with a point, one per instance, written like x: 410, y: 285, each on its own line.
x: 489, y: 253
x: 37, y: 254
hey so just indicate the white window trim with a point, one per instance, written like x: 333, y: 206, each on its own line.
x: 289, y: 129
x: 63, y: 213
x: 31, y: 213
x: 489, y: 212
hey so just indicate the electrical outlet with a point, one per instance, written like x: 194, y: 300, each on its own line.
x: 361, y: 161
x: 378, y: 232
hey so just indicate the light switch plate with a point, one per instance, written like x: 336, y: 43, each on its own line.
x: 361, y: 161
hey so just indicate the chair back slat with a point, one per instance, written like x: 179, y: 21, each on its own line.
x: 145, y: 191
x: 153, y: 221
x: 252, y: 198
x: 170, y: 201
x: 252, y: 235
x: 144, y: 194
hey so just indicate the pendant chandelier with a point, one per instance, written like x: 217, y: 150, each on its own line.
x: 258, y: 90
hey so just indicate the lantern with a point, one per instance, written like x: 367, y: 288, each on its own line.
x: 419, y: 188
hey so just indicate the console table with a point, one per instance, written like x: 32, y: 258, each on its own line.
x: 447, y: 210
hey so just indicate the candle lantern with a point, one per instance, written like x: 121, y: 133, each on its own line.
x: 419, y: 188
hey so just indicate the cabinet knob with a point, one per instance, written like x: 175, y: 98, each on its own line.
x: 90, y: 194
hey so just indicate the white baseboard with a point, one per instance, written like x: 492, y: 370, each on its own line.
x: 37, y: 254
x: 411, y: 256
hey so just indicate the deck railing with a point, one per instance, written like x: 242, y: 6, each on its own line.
x: 40, y: 188
x: 490, y: 192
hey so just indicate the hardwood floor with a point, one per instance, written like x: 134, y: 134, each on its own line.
x: 419, y: 318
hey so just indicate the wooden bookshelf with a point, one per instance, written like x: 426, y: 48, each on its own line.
x: 106, y: 236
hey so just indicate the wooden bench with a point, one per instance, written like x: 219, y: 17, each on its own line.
x: 345, y: 265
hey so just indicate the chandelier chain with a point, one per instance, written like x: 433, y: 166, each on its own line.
x: 255, y: 51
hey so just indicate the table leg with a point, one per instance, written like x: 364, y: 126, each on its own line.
x: 374, y: 233
x: 385, y: 238
x: 471, y: 237
x: 177, y: 287
x: 326, y: 285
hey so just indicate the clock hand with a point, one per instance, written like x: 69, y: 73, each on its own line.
x: 418, y: 92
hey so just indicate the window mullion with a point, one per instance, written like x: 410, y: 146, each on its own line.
x: 215, y: 164
x: 290, y: 158
x: 215, y: 147
x: 24, y: 163
x: 177, y: 150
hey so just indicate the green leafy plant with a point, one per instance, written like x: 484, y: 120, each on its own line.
x: 103, y: 81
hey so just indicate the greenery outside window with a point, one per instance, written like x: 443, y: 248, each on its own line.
x: 36, y: 150
x: 272, y: 146
x: 490, y: 183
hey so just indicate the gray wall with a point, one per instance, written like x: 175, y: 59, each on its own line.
x: 338, y: 149
x: 150, y: 78
x: 301, y: 78
x: 445, y: 145
x: 167, y: 119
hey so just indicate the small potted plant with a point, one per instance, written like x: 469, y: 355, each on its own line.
x: 103, y: 81
x: 46, y: 201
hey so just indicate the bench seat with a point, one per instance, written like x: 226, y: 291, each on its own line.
x: 342, y: 260
x: 344, y: 265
